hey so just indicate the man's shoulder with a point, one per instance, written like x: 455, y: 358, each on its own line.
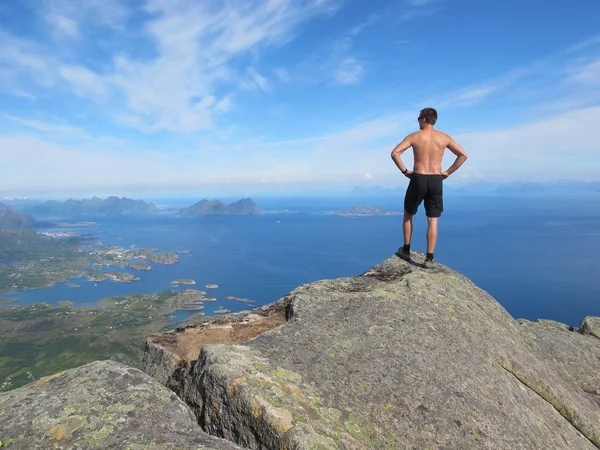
x: 442, y: 135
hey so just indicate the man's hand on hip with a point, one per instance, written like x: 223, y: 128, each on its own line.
x: 445, y: 175
x: 408, y: 174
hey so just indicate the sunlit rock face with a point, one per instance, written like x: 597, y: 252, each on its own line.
x: 400, y: 357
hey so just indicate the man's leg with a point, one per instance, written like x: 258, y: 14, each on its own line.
x: 407, y: 227
x: 434, y: 206
x: 404, y: 251
x: 432, y: 234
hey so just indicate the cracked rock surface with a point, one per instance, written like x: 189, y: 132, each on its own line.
x: 400, y: 357
x: 102, y: 405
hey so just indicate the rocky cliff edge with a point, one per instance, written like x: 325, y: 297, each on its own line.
x: 399, y: 357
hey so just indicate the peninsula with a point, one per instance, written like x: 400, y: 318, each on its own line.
x: 364, y: 210
x: 31, y: 260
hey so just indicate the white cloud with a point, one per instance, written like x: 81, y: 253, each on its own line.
x: 590, y: 42
x: 588, y: 74
x: 254, y: 80
x: 85, y: 82
x: 566, y: 145
x: 66, y: 16
x: 44, y: 126
x: 22, y: 94
x: 335, y: 60
x: 224, y: 105
x: 283, y: 75
x: 63, y: 25
x: 418, y: 3
x: 197, y: 47
x: 349, y: 71
x: 562, y: 146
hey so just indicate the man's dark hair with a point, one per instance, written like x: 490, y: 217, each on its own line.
x: 429, y: 114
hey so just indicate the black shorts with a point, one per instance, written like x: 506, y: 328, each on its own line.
x: 428, y: 188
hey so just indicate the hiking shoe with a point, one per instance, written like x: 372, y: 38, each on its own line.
x: 402, y: 254
x: 430, y: 263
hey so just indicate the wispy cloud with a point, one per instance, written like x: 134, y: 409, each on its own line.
x: 350, y: 71
x: 22, y: 94
x: 254, y: 80
x: 419, y: 8
x: 418, y: 3
x: 198, y: 48
x: 585, y: 44
x: 336, y: 61
x: 567, y: 140
x: 62, y: 25
x: 588, y: 74
x: 44, y: 126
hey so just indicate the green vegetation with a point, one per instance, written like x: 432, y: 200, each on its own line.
x: 183, y: 281
x: 39, y: 340
x: 29, y: 260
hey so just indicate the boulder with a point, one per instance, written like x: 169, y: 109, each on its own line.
x: 400, y: 357
x: 100, y: 405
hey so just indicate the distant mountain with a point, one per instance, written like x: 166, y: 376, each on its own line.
x: 3, y: 206
x: 12, y: 220
x: 373, y: 191
x: 95, y: 205
x: 549, y: 186
x: 482, y: 186
x: 207, y: 207
x: 364, y: 210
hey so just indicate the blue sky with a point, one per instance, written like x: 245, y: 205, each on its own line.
x: 241, y: 96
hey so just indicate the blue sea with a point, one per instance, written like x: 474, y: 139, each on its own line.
x: 537, y: 255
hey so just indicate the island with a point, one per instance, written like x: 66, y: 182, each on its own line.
x: 108, y: 206
x: 212, y: 286
x: 214, y: 207
x: 183, y: 281
x: 240, y: 299
x: 363, y: 210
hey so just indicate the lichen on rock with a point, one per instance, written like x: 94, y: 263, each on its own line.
x: 100, y: 405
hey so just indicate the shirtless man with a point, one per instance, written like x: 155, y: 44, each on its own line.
x: 426, y: 178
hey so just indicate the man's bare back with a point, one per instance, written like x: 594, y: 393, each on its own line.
x: 428, y: 149
x: 426, y: 178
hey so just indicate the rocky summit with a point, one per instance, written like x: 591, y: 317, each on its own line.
x: 398, y: 358
x: 100, y: 405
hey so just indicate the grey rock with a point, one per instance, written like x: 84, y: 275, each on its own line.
x: 100, y: 405
x: 591, y: 325
x: 400, y: 357
x: 571, y: 351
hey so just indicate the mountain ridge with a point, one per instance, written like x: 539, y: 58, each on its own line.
x: 95, y: 205
x: 215, y: 207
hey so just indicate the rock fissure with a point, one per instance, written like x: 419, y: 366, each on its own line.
x: 564, y: 411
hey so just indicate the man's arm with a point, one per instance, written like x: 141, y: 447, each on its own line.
x: 461, y: 157
x: 398, y: 150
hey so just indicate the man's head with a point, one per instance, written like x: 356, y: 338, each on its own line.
x: 427, y: 116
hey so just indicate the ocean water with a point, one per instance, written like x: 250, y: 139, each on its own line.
x: 538, y: 256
